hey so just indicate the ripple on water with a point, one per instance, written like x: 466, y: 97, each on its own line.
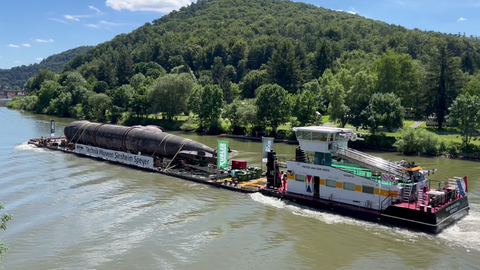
x: 465, y: 233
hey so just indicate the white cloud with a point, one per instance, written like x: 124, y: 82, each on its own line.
x: 95, y: 9
x: 70, y: 17
x: 462, y: 19
x: 163, y: 6
x: 39, y: 59
x: 44, y: 40
x: 13, y: 46
x: 17, y: 62
x: 26, y: 45
x: 102, y: 24
x: 352, y: 11
x: 78, y: 17
x: 58, y: 20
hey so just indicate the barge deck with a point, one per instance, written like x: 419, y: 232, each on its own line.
x: 252, y: 186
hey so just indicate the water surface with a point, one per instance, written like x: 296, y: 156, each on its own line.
x: 77, y: 213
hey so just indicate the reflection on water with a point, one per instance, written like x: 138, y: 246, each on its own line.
x: 78, y: 213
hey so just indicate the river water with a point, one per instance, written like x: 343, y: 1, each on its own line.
x: 77, y: 213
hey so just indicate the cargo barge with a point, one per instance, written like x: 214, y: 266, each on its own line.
x: 325, y: 174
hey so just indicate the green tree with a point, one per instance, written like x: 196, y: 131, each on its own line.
x: 231, y: 113
x: 48, y: 91
x: 194, y: 100
x: 384, y: 110
x: 472, y: 87
x: 324, y: 57
x: 100, y: 87
x: 211, y: 104
x: 442, y: 83
x: 358, y: 97
x: 465, y: 114
x: 273, y: 106
x: 61, y: 105
x: 238, y: 52
x: 99, y: 104
x: 241, y: 113
x: 320, y: 93
x: 304, y: 107
x: 247, y: 113
x: 36, y: 82
x: 337, y: 109
x: 122, y: 97
x: 398, y: 74
x: 3, y: 225
x: 169, y: 94
x: 252, y: 81
x: 137, y: 80
x: 416, y: 141
x: 140, y: 101
x: 124, y: 67
x: 76, y: 85
x: 283, y: 67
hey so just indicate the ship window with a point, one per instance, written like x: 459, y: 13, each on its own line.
x: 307, y: 135
x: 319, y: 136
x: 368, y: 189
x: 348, y: 186
x: 300, y: 177
x: 331, y: 183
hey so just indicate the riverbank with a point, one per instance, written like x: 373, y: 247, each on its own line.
x: 372, y: 142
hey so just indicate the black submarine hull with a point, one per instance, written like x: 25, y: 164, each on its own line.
x: 149, y: 140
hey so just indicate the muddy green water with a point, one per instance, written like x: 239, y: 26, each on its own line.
x: 77, y: 213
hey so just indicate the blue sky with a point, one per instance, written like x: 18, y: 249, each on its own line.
x: 31, y: 30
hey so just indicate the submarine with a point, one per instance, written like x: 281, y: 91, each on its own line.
x: 146, y: 140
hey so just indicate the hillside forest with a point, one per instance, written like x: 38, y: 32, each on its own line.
x: 16, y: 77
x: 263, y: 63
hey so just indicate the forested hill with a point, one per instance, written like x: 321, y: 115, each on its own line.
x: 270, y: 62
x: 244, y: 33
x: 18, y: 76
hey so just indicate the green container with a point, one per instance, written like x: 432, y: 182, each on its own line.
x: 258, y: 172
x: 241, y: 176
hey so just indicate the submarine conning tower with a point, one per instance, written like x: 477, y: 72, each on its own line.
x: 150, y: 140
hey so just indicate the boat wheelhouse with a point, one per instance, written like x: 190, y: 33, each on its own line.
x: 327, y: 173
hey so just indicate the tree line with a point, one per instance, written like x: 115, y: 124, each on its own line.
x: 16, y: 77
x: 264, y: 63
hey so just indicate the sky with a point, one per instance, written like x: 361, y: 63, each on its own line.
x: 31, y: 30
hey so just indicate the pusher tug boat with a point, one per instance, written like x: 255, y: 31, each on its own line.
x: 356, y: 184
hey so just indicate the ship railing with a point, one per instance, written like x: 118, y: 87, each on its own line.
x: 387, y: 202
x: 370, y: 160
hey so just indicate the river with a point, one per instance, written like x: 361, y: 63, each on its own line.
x: 77, y: 213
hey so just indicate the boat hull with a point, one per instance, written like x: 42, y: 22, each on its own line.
x: 432, y: 223
x: 423, y: 220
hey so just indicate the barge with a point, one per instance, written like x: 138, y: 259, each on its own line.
x: 325, y: 174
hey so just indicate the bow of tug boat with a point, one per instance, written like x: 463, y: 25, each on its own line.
x: 327, y: 174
